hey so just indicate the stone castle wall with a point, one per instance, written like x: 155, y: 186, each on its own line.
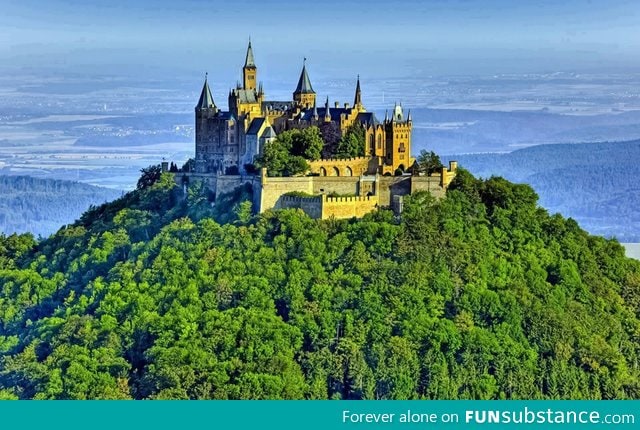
x: 361, y: 194
x: 341, y: 167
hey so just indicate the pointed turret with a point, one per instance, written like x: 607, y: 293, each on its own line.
x: 357, y: 101
x: 315, y: 112
x: 386, y: 115
x: 327, y: 113
x: 249, y: 71
x: 249, y: 61
x: 304, y: 94
x: 206, y: 99
x: 409, y: 116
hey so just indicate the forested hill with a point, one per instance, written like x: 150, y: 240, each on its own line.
x: 480, y: 295
x: 595, y: 183
x: 42, y: 206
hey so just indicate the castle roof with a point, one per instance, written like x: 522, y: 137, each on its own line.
x: 256, y: 125
x: 367, y: 118
x: 277, y: 105
x: 246, y: 96
x: 249, y: 62
x: 304, y: 83
x: 206, y: 99
x: 269, y: 133
x: 358, y: 97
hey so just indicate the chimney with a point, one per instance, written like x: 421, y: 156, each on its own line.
x: 346, y: 105
x: 336, y: 105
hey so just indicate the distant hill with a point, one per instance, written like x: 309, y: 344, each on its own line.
x: 595, y: 183
x: 42, y: 206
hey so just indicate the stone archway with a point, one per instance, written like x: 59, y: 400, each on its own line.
x: 348, y: 171
x: 336, y: 171
x: 323, y: 171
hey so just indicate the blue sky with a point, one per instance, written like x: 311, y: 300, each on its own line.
x: 394, y: 37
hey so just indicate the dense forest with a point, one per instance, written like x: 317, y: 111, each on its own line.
x: 41, y: 206
x: 594, y: 183
x: 480, y: 295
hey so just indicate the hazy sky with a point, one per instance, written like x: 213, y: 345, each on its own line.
x: 391, y: 37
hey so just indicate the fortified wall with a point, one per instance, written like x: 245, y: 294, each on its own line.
x: 327, y: 196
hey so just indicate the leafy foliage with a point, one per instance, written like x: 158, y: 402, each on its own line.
x: 288, y: 154
x: 428, y: 162
x: 480, y: 295
x: 150, y: 175
x: 352, y: 144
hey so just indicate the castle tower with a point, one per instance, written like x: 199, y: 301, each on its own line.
x: 398, y: 139
x: 357, y: 100
x: 249, y: 71
x: 304, y: 96
x: 206, y: 99
x: 205, y: 112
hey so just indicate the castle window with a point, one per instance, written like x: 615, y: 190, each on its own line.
x: 379, y: 141
x: 401, y: 148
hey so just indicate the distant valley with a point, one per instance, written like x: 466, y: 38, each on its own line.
x: 42, y: 206
x: 595, y: 183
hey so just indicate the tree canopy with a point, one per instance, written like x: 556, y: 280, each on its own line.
x: 479, y: 295
x: 352, y: 143
x: 288, y: 154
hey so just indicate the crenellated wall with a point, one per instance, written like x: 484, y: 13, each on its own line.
x: 364, y: 193
x: 342, y: 167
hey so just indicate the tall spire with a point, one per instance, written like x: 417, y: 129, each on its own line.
x: 206, y: 99
x: 315, y: 112
x: 304, y: 96
x: 357, y: 101
x: 304, y: 83
x: 249, y: 61
x: 327, y: 113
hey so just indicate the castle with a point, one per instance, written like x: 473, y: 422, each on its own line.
x: 227, y: 143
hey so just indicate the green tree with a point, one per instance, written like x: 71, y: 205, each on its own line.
x: 150, y: 175
x: 352, y: 143
x: 428, y: 162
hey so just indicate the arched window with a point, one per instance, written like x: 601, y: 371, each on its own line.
x: 323, y: 171
x: 336, y: 172
x: 348, y: 171
x: 379, y: 141
x: 371, y: 141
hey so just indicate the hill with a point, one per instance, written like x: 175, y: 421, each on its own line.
x: 42, y: 206
x: 595, y: 183
x: 479, y: 295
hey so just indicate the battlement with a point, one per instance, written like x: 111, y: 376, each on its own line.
x: 289, y: 199
x: 349, y: 199
x: 336, y: 159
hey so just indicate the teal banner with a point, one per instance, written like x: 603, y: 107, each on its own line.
x: 311, y: 415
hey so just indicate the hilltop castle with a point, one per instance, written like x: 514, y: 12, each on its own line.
x: 231, y: 139
x: 228, y: 143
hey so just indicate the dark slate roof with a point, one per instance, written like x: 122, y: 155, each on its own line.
x: 307, y: 114
x: 206, y: 99
x: 254, y: 128
x: 277, y: 105
x: 367, y: 118
x: 304, y: 83
x: 246, y: 96
x: 249, y: 62
x: 225, y: 115
x: 269, y: 133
